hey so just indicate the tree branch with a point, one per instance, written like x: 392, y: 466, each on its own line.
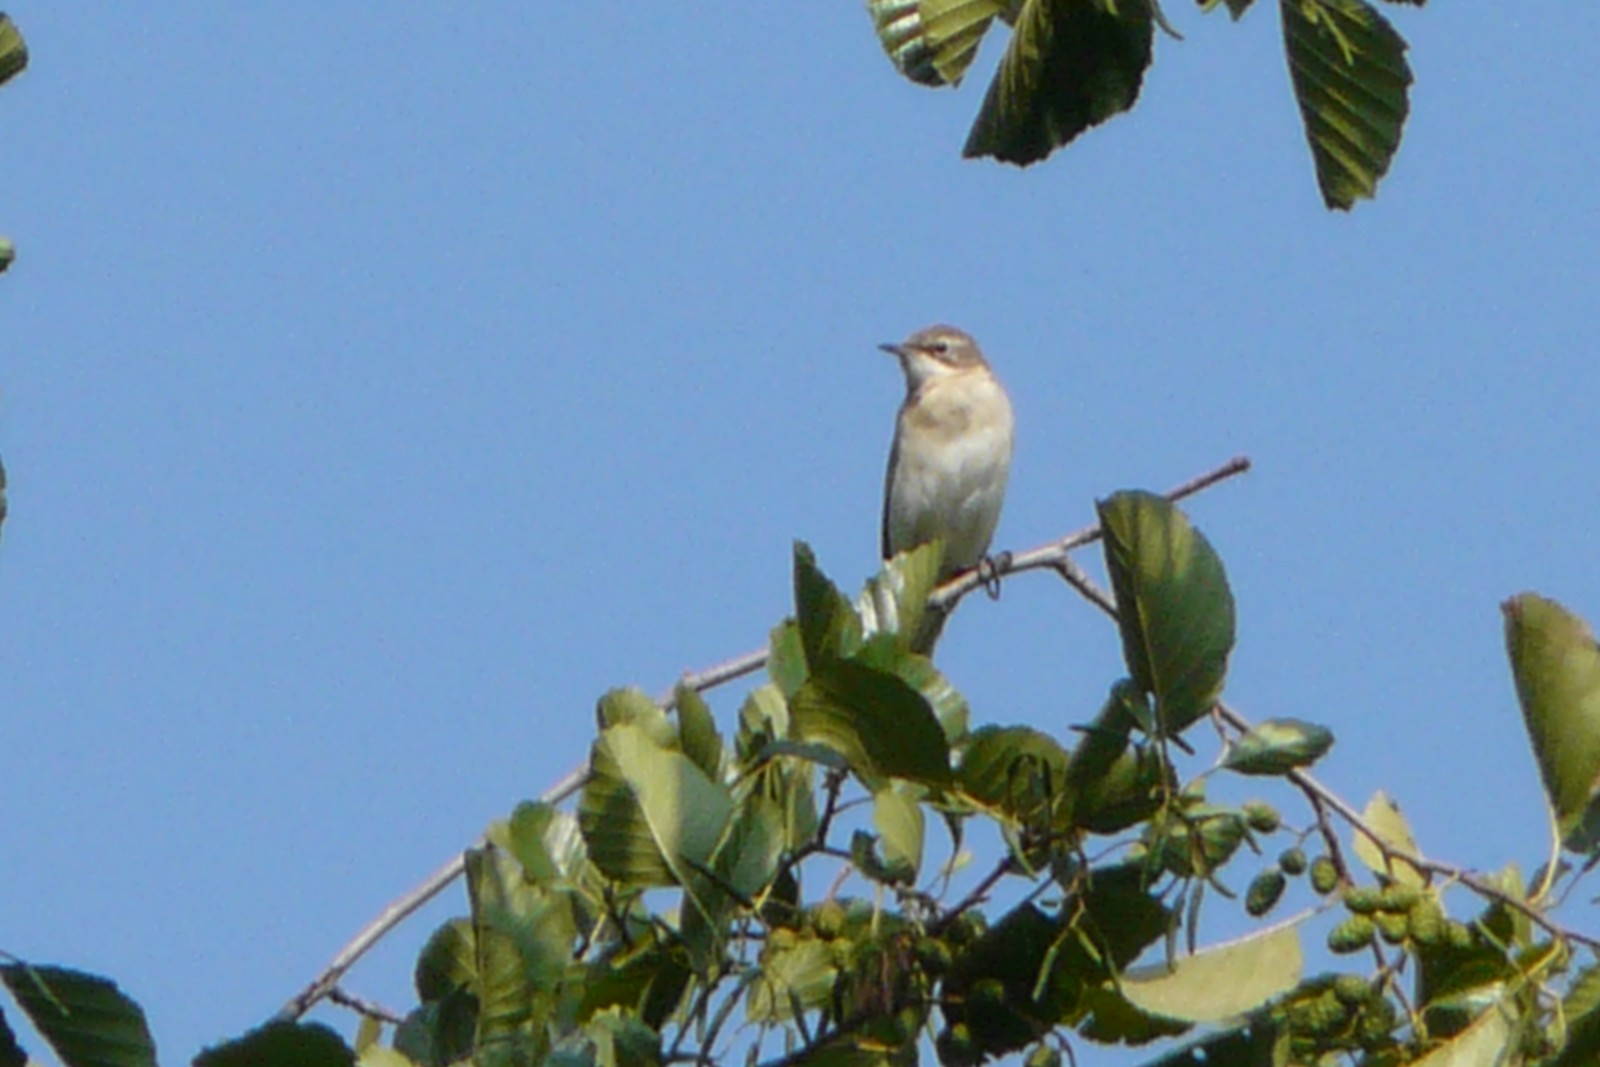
x: 1051, y: 555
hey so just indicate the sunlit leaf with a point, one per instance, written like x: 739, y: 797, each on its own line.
x: 1556, y: 665
x: 1221, y: 982
x: 898, y: 820
x: 1278, y: 746
x: 1071, y: 64
x: 86, y: 1019
x: 646, y: 809
x: 1350, y: 76
x: 1382, y: 816
x: 932, y: 42
x: 1487, y: 1041
x: 1174, y: 608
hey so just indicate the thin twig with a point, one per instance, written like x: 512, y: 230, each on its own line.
x: 1052, y: 554
x: 370, y: 1009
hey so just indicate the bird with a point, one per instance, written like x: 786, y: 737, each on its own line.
x: 951, y: 455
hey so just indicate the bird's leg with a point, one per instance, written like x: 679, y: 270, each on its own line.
x: 990, y: 568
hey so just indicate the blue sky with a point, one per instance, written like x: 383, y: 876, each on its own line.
x: 378, y: 389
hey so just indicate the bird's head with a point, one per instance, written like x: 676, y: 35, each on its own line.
x: 936, y: 352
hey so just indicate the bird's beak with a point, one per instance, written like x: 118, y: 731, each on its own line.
x: 894, y: 350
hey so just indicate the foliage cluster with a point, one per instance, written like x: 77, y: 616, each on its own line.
x: 768, y: 897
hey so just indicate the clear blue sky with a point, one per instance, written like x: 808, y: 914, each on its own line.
x: 380, y: 386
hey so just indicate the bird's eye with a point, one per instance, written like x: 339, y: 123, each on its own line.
x: 939, y: 347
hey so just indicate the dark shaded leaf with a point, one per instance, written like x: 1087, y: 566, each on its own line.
x: 8, y: 253
x: 447, y: 962
x: 1581, y: 1007
x: 86, y: 1019
x: 882, y: 726
x: 1015, y: 769
x: 1071, y: 65
x: 1556, y: 665
x: 1174, y: 608
x: 1351, y: 80
x: 11, y: 1054
x: 829, y: 626
x: 273, y: 1045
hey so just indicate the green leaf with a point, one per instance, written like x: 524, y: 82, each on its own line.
x: 1236, y: 8
x: 1557, y: 668
x: 898, y: 820
x: 1278, y: 746
x: 502, y: 986
x: 1382, y: 816
x: 1350, y: 76
x: 1071, y: 65
x: 1489, y: 1040
x: 1581, y: 1008
x: 786, y: 657
x: 8, y: 253
x: 1174, y: 608
x: 1222, y: 982
x: 439, y: 1031
x: 302, y: 1044
x: 1014, y: 769
x: 646, y: 809
x: 633, y: 705
x: 895, y: 600
x: 86, y: 1019
x: 990, y: 988
x: 1114, y: 1019
x: 447, y: 962
x: 748, y: 857
x: 793, y: 971
x: 882, y: 726
x: 527, y: 839
x: 697, y: 732
x: 829, y: 626
x: 932, y: 42
x: 13, y: 50
x: 650, y: 980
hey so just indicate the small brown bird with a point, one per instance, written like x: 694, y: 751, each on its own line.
x: 951, y: 454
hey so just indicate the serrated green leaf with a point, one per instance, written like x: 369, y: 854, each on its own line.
x: 1278, y: 746
x: 1071, y: 64
x: 1221, y: 982
x: 829, y: 626
x: 502, y: 984
x: 1556, y: 665
x: 697, y: 732
x: 748, y: 858
x: 86, y: 1019
x: 932, y: 42
x: 302, y: 1044
x: 1382, y: 816
x: 1351, y: 80
x: 13, y: 50
x: 647, y: 809
x: 1174, y: 608
x: 882, y: 726
x: 898, y: 820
